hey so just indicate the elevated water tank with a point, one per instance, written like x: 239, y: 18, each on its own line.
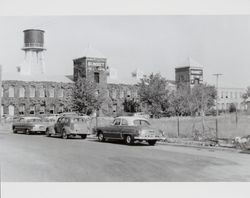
x: 33, y: 39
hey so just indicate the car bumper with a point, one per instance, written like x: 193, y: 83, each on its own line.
x: 149, y: 138
x: 79, y: 133
x: 38, y: 129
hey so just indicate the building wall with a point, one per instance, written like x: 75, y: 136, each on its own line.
x: 226, y: 96
x: 59, y: 102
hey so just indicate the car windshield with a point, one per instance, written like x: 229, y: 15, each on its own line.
x: 141, y: 123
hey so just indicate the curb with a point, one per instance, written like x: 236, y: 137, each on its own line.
x: 200, y: 147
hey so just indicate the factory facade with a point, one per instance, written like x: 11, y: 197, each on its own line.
x: 31, y: 91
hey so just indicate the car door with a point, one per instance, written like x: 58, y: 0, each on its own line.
x: 113, y: 132
x: 59, y: 125
x: 126, y: 129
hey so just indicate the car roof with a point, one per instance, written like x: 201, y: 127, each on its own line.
x: 131, y: 118
x: 74, y: 116
x: 31, y: 118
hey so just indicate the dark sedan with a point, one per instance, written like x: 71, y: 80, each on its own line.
x: 129, y: 129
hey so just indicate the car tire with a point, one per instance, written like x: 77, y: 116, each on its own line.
x: 151, y: 142
x: 27, y: 132
x: 14, y: 130
x: 84, y: 136
x: 64, y: 135
x: 47, y: 133
x: 101, y: 137
x: 129, y: 140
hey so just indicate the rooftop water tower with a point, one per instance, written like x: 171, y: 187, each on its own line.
x: 34, y: 52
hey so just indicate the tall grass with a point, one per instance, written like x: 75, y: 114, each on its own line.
x: 227, y: 126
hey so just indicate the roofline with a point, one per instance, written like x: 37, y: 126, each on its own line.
x: 33, y: 30
x: 191, y: 67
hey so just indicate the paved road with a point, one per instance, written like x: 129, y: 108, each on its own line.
x: 39, y: 158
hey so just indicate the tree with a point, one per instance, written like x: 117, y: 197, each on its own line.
x: 153, y: 92
x: 131, y: 105
x: 86, y: 96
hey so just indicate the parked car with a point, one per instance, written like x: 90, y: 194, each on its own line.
x: 70, y: 125
x: 28, y: 125
x: 129, y: 129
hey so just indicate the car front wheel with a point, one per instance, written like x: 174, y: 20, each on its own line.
x: 101, y: 137
x: 152, y: 142
x: 64, y: 135
x: 27, y: 131
x: 83, y: 136
x: 14, y: 130
x: 129, y: 140
x: 47, y: 133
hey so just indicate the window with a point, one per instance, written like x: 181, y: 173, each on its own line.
x: 117, y: 122
x: 32, y: 110
x: 51, y: 92
x: 32, y: 91
x: 21, y: 92
x: 11, y: 91
x: 231, y: 94
x: 42, y: 92
x: 2, y: 94
x: 11, y: 110
x: 42, y: 110
x: 124, y: 122
x: 114, y: 94
x: 96, y: 77
x: 128, y: 93
x: 60, y: 93
x: 226, y: 94
x: 222, y: 94
x: 21, y: 109
x: 52, y: 109
x: 121, y: 94
x: 61, y: 108
x: 236, y: 94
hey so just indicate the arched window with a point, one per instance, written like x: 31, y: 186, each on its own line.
x: 42, y: 110
x: 52, y: 109
x: 121, y: 94
x: 128, y: 93
x: 2, y: 110
x: 21, y: 92
x: 114, y: 94
x: 41, y: 92
x: 60, y: 93
x: 61, y: 109
x: 11, y: 110
x: 11, y: 91
x: 21, y: 109
x: 32, y: 91
x: 51, y: 92
x: 1, y: 92
x: 32, y: 110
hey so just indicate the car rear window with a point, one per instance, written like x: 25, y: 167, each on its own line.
x: 141, y: 123
x: 79, y: 120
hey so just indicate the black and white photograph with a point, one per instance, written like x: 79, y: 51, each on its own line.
x: 124, y: 99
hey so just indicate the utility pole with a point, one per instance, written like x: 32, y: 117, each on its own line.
x: 1, y: 94
x: 217, y: 96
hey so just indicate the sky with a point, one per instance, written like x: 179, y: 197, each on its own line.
x: 221, y: 44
